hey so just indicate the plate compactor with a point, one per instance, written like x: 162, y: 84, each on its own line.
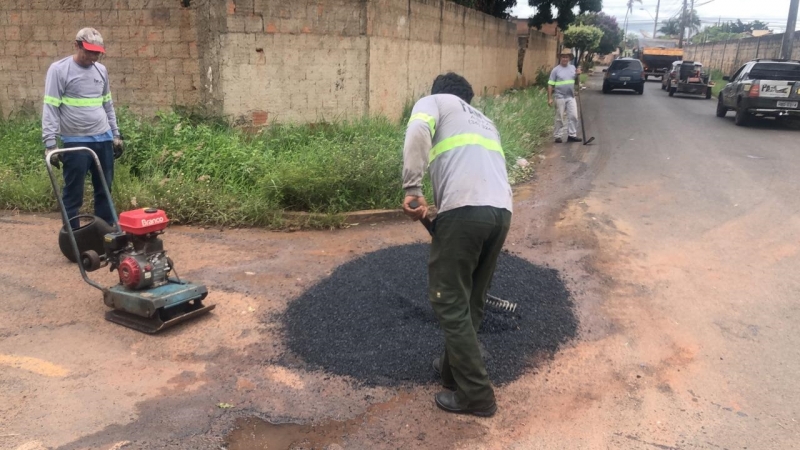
x: 147, y: 298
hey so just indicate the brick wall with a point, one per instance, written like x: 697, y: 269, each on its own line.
x: 728, y: 56
x: 152, y: 54
x: 260, y: 60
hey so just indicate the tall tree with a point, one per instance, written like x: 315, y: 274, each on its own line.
x: 612, y: 35
x: 671, y: 28
x: 566, y: 11
x: 629, y: 11
x: 584, y: 38
x: 497, y: 8
x: 693, y: 22
x: 728, y: 30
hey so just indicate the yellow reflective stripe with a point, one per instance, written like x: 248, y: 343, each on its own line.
x: 425, y: 118
x: 561, y: 83
x: 97, y: 101
x: 107, y: 98
x: 52, y: 101
x: 462, y: 140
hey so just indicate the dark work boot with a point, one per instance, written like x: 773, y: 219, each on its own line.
x: 437, y: 366
x: 558, y: 140
x: 574, y: 139
x: 446, y: 400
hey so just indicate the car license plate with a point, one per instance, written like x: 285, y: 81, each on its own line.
x: 624, y: 78
x: 787, y: 104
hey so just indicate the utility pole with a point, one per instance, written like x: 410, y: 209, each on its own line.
x: 655, y: 27
x: 689, y: 18
x: 683, y: 25
x: 788, y: 36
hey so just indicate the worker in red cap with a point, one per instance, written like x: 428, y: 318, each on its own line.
x: 78, y: 109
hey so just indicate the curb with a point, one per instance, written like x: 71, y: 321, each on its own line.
x: 364, y: 216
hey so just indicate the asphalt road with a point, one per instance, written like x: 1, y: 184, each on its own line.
x: 700, y: 237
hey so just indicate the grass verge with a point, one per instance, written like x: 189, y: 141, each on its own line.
x: 719, y: 83
x: 206, y: 172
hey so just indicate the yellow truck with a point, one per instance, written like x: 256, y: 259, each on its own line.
x: 657, y: 56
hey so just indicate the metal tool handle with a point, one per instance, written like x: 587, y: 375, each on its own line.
x: 63, y: 209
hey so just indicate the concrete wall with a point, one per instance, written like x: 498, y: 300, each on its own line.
x: 152, y: 49
x: 410, y: 42
x: 260, y: 60
x: 542, y: 52
x: 294, y: 61
x: 728, y: 56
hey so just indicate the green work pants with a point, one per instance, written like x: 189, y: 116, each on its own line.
x: 466, y: 244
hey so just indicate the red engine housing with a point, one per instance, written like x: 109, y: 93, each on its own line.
x: 143, y: 221
x: 130, y: 273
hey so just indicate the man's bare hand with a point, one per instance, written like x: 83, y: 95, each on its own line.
x: 417, y: 213
x: 550, y: 102
x: 55, y: 160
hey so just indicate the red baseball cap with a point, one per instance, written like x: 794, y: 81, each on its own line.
x: 91, y: 40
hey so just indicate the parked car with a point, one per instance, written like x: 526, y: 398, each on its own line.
x: 762, y: 88
x: 624, y: 73
x: 687, y: 77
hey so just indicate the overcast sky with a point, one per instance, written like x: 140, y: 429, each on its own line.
x: 774, y: 12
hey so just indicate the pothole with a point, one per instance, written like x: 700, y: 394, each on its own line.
x: 371, y: 320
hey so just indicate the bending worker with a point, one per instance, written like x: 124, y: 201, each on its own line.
x: 562, y: 87
x: 78, y: 107
x: 461, y: 149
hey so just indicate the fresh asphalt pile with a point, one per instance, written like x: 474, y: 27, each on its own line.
x: 371, y: 319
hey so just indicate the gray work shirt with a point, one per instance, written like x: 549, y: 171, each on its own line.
x: 562, y: 79
x: 461, y: 149
x: 77, y: 101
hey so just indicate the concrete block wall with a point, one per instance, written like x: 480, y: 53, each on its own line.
x: 299, y: 61
x: 260, y: 60
x: 542, y: 52
x: 728, y: 56
x: 152, y: 54
x: 412, y: 41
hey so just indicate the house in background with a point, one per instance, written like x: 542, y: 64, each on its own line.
x: 759, y: 33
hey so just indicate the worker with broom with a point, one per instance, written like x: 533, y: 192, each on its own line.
x: 561, y: 87
x: 460, y: 147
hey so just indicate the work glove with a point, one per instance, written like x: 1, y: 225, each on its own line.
x: 119, y: 146
x: 55, y: 160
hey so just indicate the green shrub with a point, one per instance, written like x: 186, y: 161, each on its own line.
x: 719, y: 83
x: 202, y: 170
x: 542, y: 77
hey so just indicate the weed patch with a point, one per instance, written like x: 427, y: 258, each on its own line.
x: 719, y: 83
x: 202, y: 170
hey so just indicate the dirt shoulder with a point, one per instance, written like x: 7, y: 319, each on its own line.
x: 72, y: 380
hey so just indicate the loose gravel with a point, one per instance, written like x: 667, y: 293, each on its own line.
x: 371, y: 320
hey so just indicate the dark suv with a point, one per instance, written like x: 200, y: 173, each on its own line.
x: 624, y: 73
x: 762, y: 88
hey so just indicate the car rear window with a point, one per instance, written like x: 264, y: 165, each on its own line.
x: 622, y: 65
x: 775, y: 71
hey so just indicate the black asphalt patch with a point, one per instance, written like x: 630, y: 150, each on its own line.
x: 371, y: 319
